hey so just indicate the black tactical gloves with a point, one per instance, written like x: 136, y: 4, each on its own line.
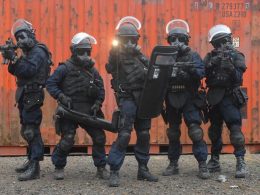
x: 65, y: 100
x: 9, y: 54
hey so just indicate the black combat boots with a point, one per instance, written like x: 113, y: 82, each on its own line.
x: 23, y: 167
x: 114, y: 178
x: 102, y: 173
x: 58, y: 174
x: 172, y: 169
x: 213, y: 164
x: 33, y: 172
x: 240, y: 167
x: 144, y: 174
x: 203, y: 170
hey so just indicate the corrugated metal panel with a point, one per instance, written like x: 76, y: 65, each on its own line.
x: 57, y: 21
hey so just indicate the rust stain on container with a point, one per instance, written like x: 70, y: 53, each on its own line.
x: 56, y: 21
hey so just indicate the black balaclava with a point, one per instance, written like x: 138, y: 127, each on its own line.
x: 25, y: 40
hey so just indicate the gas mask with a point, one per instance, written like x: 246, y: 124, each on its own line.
x: 129, y: 44
x: 82, y: 58
x: 24, y: 40
x: 180, y: 42
x: 223, y: 42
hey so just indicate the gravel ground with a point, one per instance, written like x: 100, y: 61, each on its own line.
x: 80, y: 178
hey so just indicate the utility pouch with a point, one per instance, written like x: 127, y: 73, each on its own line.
x: 116, y: 119
x: 200, y: 101
x: 33, y: 97
x: 57, y: 124
x: 19, y: 94
x: 93, y: 91
x: 239, y: 97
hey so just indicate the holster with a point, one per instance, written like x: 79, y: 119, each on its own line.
x: 19, y: 93
x: 200, y: 101
x: 239, y: 97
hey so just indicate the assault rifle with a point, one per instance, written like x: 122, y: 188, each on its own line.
x: 9, y: 45
x: 185, y: 66
x: 65, y: 112
x: 224, y: 53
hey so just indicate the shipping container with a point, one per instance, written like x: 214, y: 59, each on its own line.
x: 56, y: 21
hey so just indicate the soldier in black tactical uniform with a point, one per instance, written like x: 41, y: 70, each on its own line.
x: 128, y: 66
x: 224, y: 75
x: 31, y: 70
x: 77, y: 85
x: 183, y: 98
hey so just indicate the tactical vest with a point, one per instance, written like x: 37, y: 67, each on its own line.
x: 126, y: 64
x: 79, y: 83
x: 178, y: 85
x: 40, y: 78
x: 180, y: 91
x: 216, y: 71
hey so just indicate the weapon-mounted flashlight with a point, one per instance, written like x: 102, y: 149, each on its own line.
x: 115, y: 43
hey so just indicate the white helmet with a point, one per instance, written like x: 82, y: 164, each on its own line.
x: 218, y: 31
x: 83, y: 40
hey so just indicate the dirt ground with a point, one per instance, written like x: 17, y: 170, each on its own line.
x: 80, y: 178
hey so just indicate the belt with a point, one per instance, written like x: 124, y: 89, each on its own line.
x: 177, y: 88
x: 33, y: 86
x: 123, y: 88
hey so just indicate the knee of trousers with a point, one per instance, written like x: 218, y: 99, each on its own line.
x: 66, y: 142
x: 126, y: 122
x: 195, y: 132
x: 123, y: 140
x: 214, y: 132
x: 100, y: 140
x: 28, y: 132
x: 236, y: 136
x: 173, y: 134
x: 144, y: 136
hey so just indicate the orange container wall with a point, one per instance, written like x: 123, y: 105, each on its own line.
x: 56, y: 21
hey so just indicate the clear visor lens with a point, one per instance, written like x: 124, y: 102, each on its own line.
x: 129, y: 19
x: 82, y: 36
x: 178, y: 23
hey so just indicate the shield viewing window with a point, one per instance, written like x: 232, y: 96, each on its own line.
x: 164, y: 60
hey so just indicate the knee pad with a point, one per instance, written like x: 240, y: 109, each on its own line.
x: 123, y: 140
x: 27, y: 132
x: 236, y: 136
x: 66, y: 142
x: 100, y: 140
x: 195, y: 132
x: 173, y: 134
x: 214, y: 132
